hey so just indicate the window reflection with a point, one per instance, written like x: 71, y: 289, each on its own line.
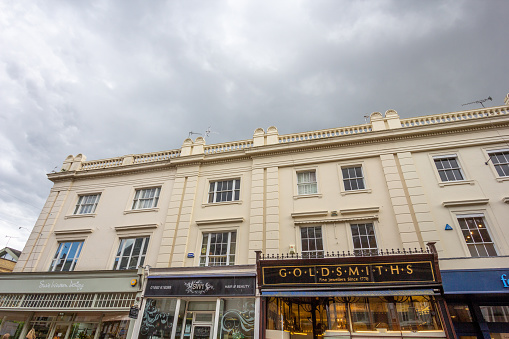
x: 315, y: 316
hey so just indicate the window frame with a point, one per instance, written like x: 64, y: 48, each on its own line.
x: 136, y: 199
x: 307, y: 183
x: 317, y: 252
x: 119, y: 254
x: 493, y: 165
x: 362, y: 251
x: 468, y: 252
x: 79, y: 205
x: 459, y: 163
x: 229, y: 256
x: 215, y: 191
x: 56, y: 257
x: 343, y: 179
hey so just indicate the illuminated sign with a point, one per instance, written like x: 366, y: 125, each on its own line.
x: 349, y: 274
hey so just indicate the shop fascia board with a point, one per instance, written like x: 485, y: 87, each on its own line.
x: 203, y: 271
x: 69, y: 275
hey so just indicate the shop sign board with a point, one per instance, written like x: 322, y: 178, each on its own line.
x: 201, y: 286
x: 348, y: 274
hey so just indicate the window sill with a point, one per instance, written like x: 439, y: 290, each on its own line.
x: 236, y: 202
x: 303, y: 196
x: 366, y: 190
x: 72, y: 216
x: 453, y: 183
x: 502, y: 179
x: 155, y: 209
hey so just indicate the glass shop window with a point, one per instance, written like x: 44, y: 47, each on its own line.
x: 460, y: 313
x: 417, y: 313
x: 495, y: 314
x: 316, y: 316
x: 155, y: 310
x: 237, y: 318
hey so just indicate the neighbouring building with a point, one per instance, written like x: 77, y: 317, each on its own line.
x: 8, y: 258
x: 396, y: 228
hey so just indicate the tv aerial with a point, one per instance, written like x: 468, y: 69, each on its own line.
x: 479, y: 102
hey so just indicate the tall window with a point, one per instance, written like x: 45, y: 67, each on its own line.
x: 146, y: 198
x: 87, y: 204
x: 448, y: 168
x: 226, y: 190
x: 131, y: 253
x: 353, y: 179
x: 218, y: 249
x: 66, y: 256
x: 306, y: 183
x: 312, y: 242
x: 364, y: 241
x: 476, y: 235
x: 500, y: 160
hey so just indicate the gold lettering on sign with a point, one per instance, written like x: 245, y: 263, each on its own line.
x: 325, y: 269
x: 379, y: 269
x: 297, y: 270
x: 394, y: 270
x: 354, y: 271
x: 311, y: 272
x: 338, y: 271
x: 282, y: 273
x: 409, y: 269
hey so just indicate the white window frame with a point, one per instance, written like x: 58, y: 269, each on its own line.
x: 228, y: 253
x: 56, y: 257
x: 494, y: 165
x: 154, y: 200
x: 235, y: 181
x: 317, y: 253
x: 362, y: 249
x: 468, y: 246
x: 344, y: 180
x: 83, y: 203
x: 305, y: 185
x: 121, y: 248
x: 459, y: 168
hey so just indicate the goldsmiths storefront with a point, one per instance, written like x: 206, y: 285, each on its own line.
x: 370, y: 295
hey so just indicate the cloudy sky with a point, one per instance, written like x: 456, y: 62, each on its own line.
x: 109, y: 78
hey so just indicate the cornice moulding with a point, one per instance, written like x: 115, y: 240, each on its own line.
x: 455, y: 203
x: 337, y: 220
x: 219, y: 221
x: 309, y: 214
x: 135, y: 227
x: 73, y: 232
x: 359, y: 210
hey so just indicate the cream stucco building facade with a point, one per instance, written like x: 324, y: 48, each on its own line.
x: 176, y: 233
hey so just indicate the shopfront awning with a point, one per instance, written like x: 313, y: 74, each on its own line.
x: 357, y: 293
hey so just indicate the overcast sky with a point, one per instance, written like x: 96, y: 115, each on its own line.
x: 110, y: 78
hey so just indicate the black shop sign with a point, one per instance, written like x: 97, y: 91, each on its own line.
x: 201, y: 286
x: 348, y: 274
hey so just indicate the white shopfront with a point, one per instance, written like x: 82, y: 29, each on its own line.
x: 70, y: 305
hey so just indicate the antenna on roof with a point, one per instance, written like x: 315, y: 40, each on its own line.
x: 479, y: 102
x: 209, y: 131
x: 191, y: 133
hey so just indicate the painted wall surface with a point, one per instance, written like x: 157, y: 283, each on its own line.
x: 404, y: 197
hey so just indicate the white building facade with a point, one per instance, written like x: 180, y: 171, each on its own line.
x: 395, y: 228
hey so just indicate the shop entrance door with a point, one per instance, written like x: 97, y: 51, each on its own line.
x: 202, y: 324
x: 59, y: 331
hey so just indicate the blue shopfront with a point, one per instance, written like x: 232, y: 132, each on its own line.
x: 478, y: 301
